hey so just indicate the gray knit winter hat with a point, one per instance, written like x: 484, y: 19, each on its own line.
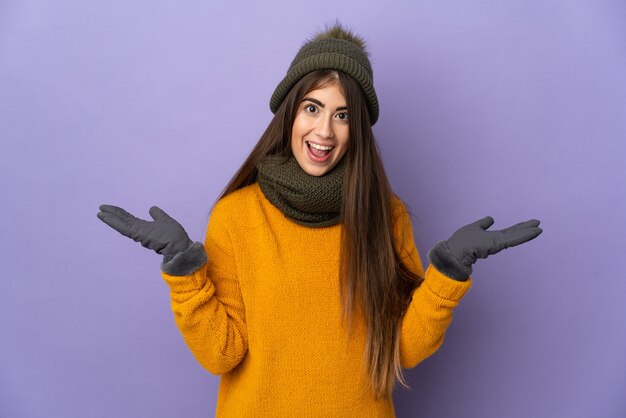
x: 336, y: 49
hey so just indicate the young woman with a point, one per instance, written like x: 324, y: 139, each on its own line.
x: 308, y: 295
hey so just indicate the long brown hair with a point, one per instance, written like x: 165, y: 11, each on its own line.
x: 371, y: 270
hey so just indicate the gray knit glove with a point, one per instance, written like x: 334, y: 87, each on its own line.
x: 455, y: 256
x: 163, y: 235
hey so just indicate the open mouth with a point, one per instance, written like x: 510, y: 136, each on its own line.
x: 317, y: 152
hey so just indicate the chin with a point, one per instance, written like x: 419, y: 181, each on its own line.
x: 313, y: 169
x: 317, y: 172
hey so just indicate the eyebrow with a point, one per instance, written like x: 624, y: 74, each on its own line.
x: 317, y: 102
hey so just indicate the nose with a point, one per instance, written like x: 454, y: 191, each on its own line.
x: 324, y: 127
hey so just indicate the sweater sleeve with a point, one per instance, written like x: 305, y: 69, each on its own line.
x: 430, y: 311
x: 207, y: 303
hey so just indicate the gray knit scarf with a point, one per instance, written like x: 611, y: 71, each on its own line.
x: 308, y: 200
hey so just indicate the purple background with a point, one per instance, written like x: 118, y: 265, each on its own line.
x: 511, y: 109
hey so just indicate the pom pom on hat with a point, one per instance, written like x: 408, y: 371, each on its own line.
x: 337, y: 31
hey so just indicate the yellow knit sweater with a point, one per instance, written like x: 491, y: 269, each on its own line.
x: 264, y: 313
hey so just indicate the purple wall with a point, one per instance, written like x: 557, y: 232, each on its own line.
x: 510, y: 109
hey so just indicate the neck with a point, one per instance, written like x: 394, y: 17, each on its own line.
x: 313, y: 201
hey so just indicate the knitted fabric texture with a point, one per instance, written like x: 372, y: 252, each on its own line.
x: 333, y: 54
x: 264, y: 313
x: 313, y: 201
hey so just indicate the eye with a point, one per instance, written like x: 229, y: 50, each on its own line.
x: 310, y: 108
x: 343, y: 115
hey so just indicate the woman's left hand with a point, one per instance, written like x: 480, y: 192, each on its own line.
x: 455, y: 256
x: 473, y: 241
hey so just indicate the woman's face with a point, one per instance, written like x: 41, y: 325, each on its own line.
x: 320, y: 134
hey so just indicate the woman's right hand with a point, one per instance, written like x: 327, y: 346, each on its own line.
x: 163, y: 235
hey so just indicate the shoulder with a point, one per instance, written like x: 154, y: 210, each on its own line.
x: 235, y: 200
x: 240, y: 206
x: 398, y: 208
x: 396, y: 203
x: 401, y: 220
